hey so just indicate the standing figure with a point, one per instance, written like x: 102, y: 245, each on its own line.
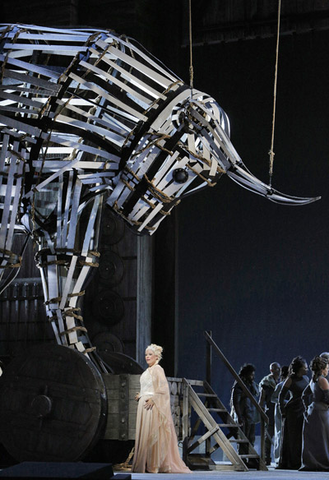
x: 293, y: 414
x: 277, y: 414
x: 315, y: 448
x: 325, y: 355
x: 244, y: 412
x: 156, y: 449
x: 267, y: 386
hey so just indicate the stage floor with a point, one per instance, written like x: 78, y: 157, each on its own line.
x: 271, y: 474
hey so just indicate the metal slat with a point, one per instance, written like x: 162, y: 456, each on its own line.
x: 100, y: 91
x: 29, y: 67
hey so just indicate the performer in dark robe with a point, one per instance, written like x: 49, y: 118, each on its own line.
x: 243, y: 410
x: 293, y: 414
x: 315, y: 448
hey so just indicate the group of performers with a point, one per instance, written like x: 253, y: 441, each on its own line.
x: 305, y: 442
x: 297, y: 409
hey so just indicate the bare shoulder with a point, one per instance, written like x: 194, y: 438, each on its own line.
x: 323, y: 383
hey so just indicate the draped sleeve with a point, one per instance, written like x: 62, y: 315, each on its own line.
x: 161, y: 398
x: 160, y: 385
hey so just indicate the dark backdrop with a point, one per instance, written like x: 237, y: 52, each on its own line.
x: 251, y: 271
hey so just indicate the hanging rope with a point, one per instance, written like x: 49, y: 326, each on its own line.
x: 190, y: 37
x: 271, y: 152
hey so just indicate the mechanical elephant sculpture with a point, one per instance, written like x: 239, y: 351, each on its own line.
x: 88, y: 118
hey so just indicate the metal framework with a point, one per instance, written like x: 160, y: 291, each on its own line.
x: 88, y: 118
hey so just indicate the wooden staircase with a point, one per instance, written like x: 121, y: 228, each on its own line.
x: 221, y: 432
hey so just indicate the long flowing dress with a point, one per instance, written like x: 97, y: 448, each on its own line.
x: 291, y: 447
x: 156, y: 446
x: 315, y: 450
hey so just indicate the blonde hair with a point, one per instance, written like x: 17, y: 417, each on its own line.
x: 156, y: 349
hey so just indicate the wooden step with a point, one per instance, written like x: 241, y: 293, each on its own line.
x: 207, y: 395
x: 228, y: 425
x: 200, y: 461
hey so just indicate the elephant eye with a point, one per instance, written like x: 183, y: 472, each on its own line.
x: 180, y: 175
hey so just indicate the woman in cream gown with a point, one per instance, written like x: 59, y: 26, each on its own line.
x: 156, y: 449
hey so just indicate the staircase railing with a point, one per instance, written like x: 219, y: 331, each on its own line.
x: 263, y: 417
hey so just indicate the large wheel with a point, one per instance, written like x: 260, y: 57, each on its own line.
x: 52, y: 405
x: 109, y: 348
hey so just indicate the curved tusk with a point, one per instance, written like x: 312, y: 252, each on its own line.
x: 240, y: 175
